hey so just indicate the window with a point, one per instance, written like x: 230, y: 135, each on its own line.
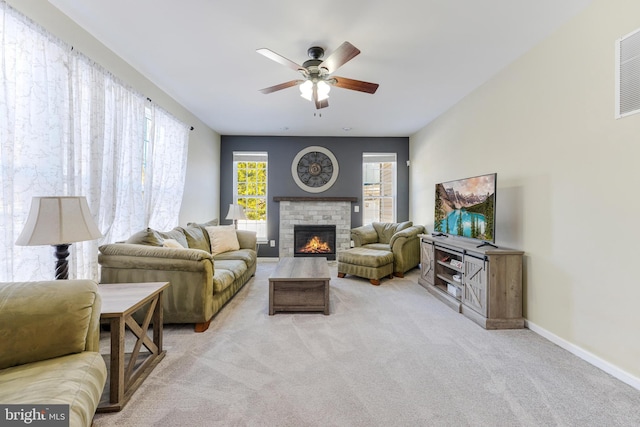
x: 628, y: 75
x: 250, y: 191
x: 379, y: 187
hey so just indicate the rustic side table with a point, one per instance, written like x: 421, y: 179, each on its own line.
x: 128, y: 370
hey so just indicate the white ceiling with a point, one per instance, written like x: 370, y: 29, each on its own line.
x: 425, y: 54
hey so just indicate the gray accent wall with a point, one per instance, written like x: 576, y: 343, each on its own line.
x: 283, y: 149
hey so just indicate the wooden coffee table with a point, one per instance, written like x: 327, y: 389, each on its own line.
x: 127, y: 371
x: 300, y: 284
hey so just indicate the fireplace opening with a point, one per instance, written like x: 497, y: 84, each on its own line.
x: 314, y: 240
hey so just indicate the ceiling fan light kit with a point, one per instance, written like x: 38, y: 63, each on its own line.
x: 317, y: 74
x: 322, y: 88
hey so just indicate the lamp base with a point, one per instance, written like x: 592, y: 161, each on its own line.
x: 62, y: 265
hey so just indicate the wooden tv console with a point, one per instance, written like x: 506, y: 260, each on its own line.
x: 489, y: 285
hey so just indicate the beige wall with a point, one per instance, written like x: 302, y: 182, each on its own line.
x: 568, y: 182
x: 202, y: 194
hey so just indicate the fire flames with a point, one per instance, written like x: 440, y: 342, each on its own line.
x: 315, y: 246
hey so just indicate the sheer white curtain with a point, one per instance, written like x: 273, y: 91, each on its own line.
x: 34, y: 112
x: 106, y: 134
x: 165, y: 170
x: 69, y: 127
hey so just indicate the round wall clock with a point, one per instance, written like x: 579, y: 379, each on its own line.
x: 314, y: 169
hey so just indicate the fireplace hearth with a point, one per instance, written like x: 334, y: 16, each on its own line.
x: 314, y: 241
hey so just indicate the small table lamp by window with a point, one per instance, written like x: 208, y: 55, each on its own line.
x: 235, y: 213
x: 59, y: 221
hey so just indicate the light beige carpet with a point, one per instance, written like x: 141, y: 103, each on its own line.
x: 391, y: 355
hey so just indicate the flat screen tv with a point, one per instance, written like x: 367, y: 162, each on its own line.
x: 467, y: 208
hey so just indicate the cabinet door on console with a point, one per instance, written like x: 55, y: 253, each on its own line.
x: 475, y: 284
x: 426, y: 262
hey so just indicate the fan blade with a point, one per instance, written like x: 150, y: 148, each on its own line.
x: 358, y: 85
x: 279, y: 59
x: 339, y: 57
x: 281, y: 86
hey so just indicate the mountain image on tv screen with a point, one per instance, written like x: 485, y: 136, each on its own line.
x: 466, y: 207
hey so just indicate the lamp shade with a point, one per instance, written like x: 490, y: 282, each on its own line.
x: 322, y: 87
x: 58, y: 220
x: 306, y: 90
x: 323, y: 90
x: 235, y: 212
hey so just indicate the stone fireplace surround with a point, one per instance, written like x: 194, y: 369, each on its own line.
x: 315, y: 211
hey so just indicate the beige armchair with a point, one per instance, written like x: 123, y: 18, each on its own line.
x: 399, y: 238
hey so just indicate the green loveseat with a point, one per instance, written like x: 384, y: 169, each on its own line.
x: 49, y: 346
x: 201, y: 282
x: 399, y: 238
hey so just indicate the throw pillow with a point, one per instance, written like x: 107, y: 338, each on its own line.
x: 172, y: 244
x: 176, y: 234
x: 196, y: 238
x: 223, y: 238
x: 209, y: 223
x: 202, y: 226
x: 148, y: 237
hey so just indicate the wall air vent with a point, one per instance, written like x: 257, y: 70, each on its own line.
x: 628, y: 75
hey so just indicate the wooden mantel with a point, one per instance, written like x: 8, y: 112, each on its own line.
x: 314, y: 199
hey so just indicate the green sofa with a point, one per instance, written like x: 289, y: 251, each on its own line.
x: 201, y: 282
x: 49, y: 351
x: 401, y: 239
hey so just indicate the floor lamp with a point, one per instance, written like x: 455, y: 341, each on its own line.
x: 59, y: 221
x: 235, y: 213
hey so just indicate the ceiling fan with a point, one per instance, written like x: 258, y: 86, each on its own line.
x: 317, y: 73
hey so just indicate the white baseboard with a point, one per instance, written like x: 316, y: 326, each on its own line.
x: 268, y: 259
x: 588, y: 357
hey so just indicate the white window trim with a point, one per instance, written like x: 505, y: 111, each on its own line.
x: 633, y: 37
x: 253, y: 156
x: 379, y: 157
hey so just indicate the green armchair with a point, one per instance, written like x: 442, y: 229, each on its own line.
x: 50, y: 335
x: 399, y: 238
